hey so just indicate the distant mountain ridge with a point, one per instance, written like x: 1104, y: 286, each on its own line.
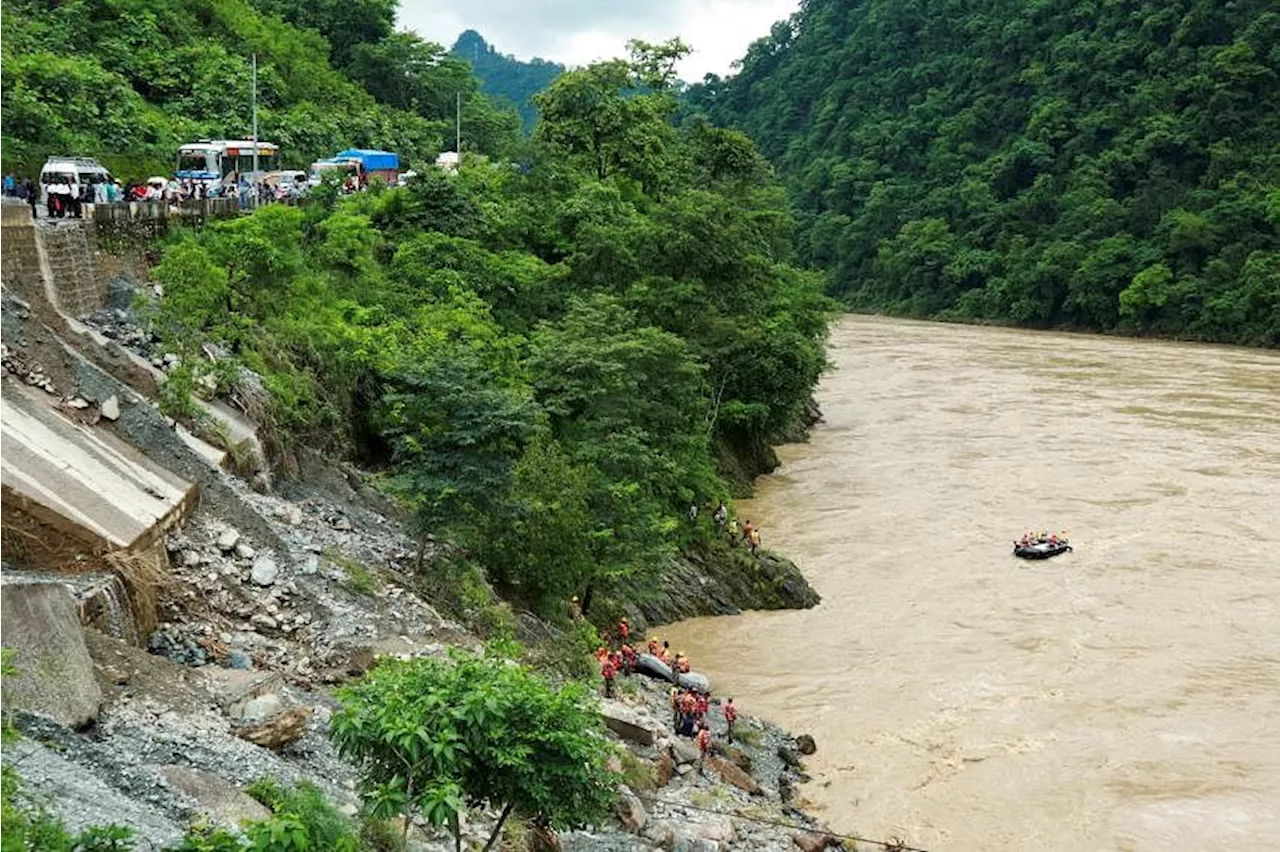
x: 503, y: 75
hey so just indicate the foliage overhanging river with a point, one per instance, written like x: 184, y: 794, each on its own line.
x: 1124, y: 696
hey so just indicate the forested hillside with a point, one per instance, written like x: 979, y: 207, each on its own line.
x: 550, y: 363
x: 505, y: 76
x: 1105, y: 165
x: 129, y: 80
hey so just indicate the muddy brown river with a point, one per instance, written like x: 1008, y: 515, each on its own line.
x: 1125, y: 696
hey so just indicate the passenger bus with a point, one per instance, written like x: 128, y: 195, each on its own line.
x: 212, y: 160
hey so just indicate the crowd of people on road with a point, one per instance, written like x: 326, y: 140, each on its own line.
x: 65, y: 197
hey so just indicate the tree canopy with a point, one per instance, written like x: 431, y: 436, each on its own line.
x: 128, y: 81
x: 433, y: 735
x: 550, y: 359
x: 506, y: 77
x: 1103, y: 165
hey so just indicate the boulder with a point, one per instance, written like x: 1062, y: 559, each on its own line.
x: 739, y: 757
x: 701, y: 844
x: 215, y: 796
x: 665, y: 769
x: 278, y: 731
x: 718, y: 830
x: 264, y: 571
x: 262, y: 707
x: 805, y: 744
x: 661, y: 833
x: 630, y: 811
x: 628, y: 724
x: 111, y: 408
x: 229, y: 539
x: 55, y: 678
x: 244, y: 551
x: 789, y: 756
x: 814, y: 841
x: 684, y: 751
x: 732, y: 774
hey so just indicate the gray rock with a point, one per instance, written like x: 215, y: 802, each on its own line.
x: 190, y: 558
x: 111, y: 408
x: 55, y: 672
x: 239, y: 660
x: 244, y: 551
x: 78, y: 402
x: 265, y: 571
x: 228, y: 540
x: 261, y: 619
x: 630, y: 811
x: 684, y: 751
x: 805, y: 744
x: 311, y: 565
x: 263, y: 706
x: 219, y: 798
x: 628, y: 724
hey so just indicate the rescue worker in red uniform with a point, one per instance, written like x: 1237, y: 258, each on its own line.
x: 730, y: 716
x: 628, y: 660
x: 704, y: 744
x: 624, y: 631
x: 609, y: 672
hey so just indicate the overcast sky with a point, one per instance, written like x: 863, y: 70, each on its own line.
x: 576, y: 32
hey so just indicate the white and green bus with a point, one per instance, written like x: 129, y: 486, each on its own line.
x: 211, y: 161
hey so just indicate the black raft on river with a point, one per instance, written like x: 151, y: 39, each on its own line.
x: 647, y: 664
x: 1040, y: 549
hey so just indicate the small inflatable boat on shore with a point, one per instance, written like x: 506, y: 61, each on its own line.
x: 1040, y: 549
x: 647, y: 664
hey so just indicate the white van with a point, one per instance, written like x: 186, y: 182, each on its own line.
x: 76, y: 171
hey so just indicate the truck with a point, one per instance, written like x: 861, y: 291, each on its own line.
x: 361, y: 163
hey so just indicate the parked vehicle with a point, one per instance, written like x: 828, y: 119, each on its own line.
x: 211, y: 161
x: 360, y: 163
x: 287, y: 181
x: 76, y: 171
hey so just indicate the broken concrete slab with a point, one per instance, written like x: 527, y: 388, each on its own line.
x: 82, y: 481
x: 41, y: 625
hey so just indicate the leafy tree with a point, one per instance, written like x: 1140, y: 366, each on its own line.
x: 433, y: 736
x: 1004, y: 161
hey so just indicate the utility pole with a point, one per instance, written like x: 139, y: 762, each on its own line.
x: 254, y: 100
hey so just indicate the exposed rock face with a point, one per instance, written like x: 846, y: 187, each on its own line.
x: 55, y: 672
x: 219, y: 798
x: 721, y: 581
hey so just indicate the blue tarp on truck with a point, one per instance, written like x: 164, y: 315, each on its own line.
x: 373, y: 161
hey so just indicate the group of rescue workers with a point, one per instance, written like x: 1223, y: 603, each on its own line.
x: 748, y: 533
x: 688, y: 706
x: 1042, y: 537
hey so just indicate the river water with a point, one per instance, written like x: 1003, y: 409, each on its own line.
x: 1124, y: 696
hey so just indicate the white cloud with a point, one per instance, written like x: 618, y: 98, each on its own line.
x: 576, y: 32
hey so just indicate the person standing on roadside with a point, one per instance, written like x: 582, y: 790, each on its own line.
x: 29, y: 192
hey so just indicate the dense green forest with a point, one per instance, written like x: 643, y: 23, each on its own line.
x: 505, y: 76
x: 128, y: 81
x: 549, y: 360
x: 1102, y: 164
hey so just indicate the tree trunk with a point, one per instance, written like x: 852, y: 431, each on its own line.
x: 586, y: 597
x: 457, y: 834
x: 497, y: 829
